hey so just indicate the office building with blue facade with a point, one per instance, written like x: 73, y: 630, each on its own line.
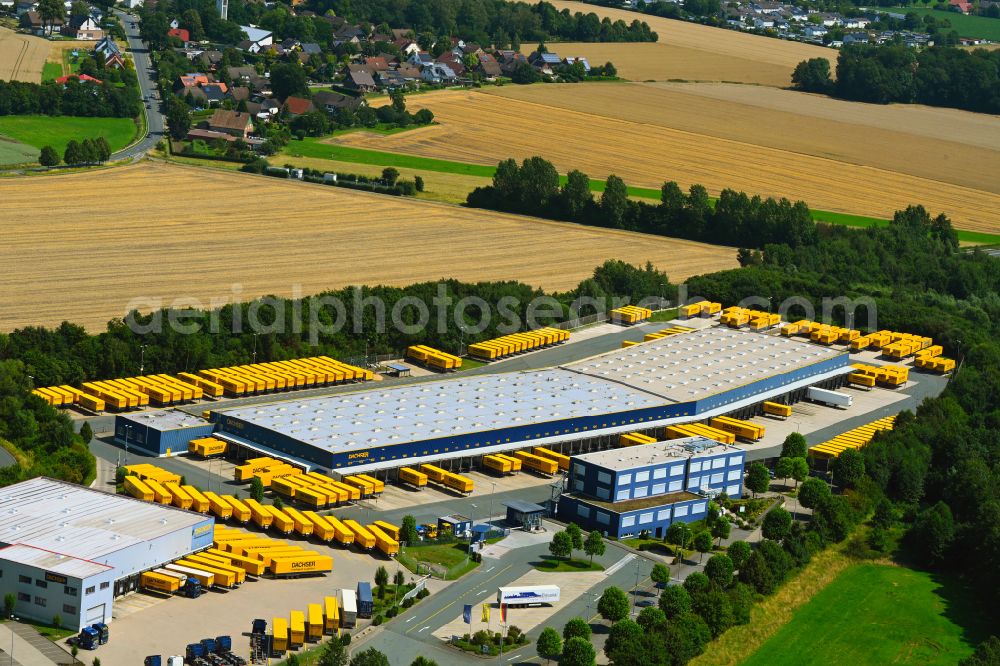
x: 159, y: 433
x: 625, y: 492
x: 679, y: 379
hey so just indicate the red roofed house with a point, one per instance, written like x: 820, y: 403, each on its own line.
x: 180, y: 33
x: 296, y: 106
x: 83, y: 77
x: 962, y: 5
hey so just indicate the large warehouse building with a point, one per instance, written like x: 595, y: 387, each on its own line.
x: 677, y: 379
x: 68, y: 550
x: 628, y: 491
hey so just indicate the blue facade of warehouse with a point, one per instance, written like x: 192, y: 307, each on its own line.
x: 159, y: 433
x: 586, y: 426
x: 622, y: 501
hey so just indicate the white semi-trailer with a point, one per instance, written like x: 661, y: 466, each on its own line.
x: 831, y: 398
x: 530, y: 595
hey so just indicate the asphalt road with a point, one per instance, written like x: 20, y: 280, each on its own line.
x: 153, y: 107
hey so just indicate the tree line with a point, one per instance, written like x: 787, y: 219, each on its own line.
x: 488, y: 22
x: 938, y: 76
x: 68, y: 354
x: 88, y: 151
x: 74, y: 98
x: 533, y: 188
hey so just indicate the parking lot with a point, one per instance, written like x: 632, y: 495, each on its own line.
x: 146, y: 624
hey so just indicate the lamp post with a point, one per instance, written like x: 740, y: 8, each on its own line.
x: 142, y: 358
x: 493, y: 489
x: 127, y: 429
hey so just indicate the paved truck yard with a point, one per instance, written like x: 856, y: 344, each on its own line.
x: 705, y: 371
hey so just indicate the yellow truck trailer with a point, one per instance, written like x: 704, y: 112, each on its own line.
x: 331, y: 614
x: 537, y: 463
x: 254, y: 566
x: 412, y: 477
x: 180, y: 497
x: 135, y: 487
x: 391, y: 530
x: 314, y: 622
x: 777, y: 409
x: 279, y: 635
x: 433, y: 472
x: 222, y: 578
x: 302, y: 525
x: 159, y: 583
x: 219, y: 507
x: 160, y: 494
x: 241, y: 512
x: 462, y: 484
x: 362, y: 537
x: 343, y: 534
x: 280, y: 520
x: 561, y: 460
x: 515, y: 463
x: 322, y: 529
x: 499, y: 465
x: 307, y: 563
x: 199, y: 502
x: 259, y: 514
x: 383, y: 542
x: 297, y: 629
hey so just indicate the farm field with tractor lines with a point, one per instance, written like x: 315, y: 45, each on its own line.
x: 22, y: 57
x: 86, y: 263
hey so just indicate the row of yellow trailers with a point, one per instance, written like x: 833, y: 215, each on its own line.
x: 755, y: 320
x: 310, y: 625
x: 318, y: 491
x: 206, y: 447
x: 723, y: 429
x: 462, y: 484
x: 852, y: 439
x: 630, y: 315
x: 282, y: 375
x: 515, y: 343
x: 274, y: 556
x: 504, y: 464
x: 700, y: 309
x: 162, y: 390
x: 867, y: 376
x: 433, y: 358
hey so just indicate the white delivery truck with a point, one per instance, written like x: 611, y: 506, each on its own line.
x: 529, y: 595
x: 348, y: 609
x: 831, y: 398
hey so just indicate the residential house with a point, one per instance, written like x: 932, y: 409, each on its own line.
x: 174, y: 24
x: 311, y: 48
x: 961, y: 5
x: 572, y: 60
x: 215, y: 93
x: 409, y: 72
x: 764, y: 22
x: 82, y: 78
x: 453, y: 61
x: 260, y: 85
x: 489, y: 67
x: 402, y: 33
x: 290, y: 44
x: 421, y: 59
x: 83, y: 28
x: 815, y: 31
x: 296, y: 106
x: 511, y: 60
x: 407, y: 47
x: 25, y: 6
x: 859, y: 22
x: 376, y: 64
x: 437, y: 72
x: 239, y: 94
x: 856, y: 38
x: 360, y: 80
x: 112, y: 54
x: 192, y: 80
x: 392, y: 79
x: 180, y: 33
x: 210, y: 60
x: 240, y: 73
x: 330, y: 101
x: 544, y: 62
x: 198, y: 134
x: 257, y: 39
x: 234, y: 123
x: 32, y: 20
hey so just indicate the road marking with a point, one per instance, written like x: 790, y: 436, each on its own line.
x: 411, y: 619
x: 514, y: 657
x: 489, y: 570
x: 482, y: 592
x: 619, y: 564
x: 424, y: 628
x: 458, y: 602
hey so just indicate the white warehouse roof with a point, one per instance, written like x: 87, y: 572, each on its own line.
x: 82, y: 523
x: 54, y: 562
x: 691, y: 366
x: 432, y: 410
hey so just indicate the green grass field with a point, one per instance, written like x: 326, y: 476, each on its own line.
x: 14, y: 152
x: 57, y: 131
x: 558, y: 564
x: 982, y: 27
x: 51, y: 71
x: 877, y: 614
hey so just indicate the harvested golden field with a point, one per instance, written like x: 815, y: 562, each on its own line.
x: 956, y: 147
x: 58, y: 51
x: 160, y: 232
x: 21, y: 56
x: 646, y: 154
x: 663, y: 61
x: 729, y: 50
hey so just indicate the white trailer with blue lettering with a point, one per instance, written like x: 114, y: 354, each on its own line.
x: 529, y: 595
